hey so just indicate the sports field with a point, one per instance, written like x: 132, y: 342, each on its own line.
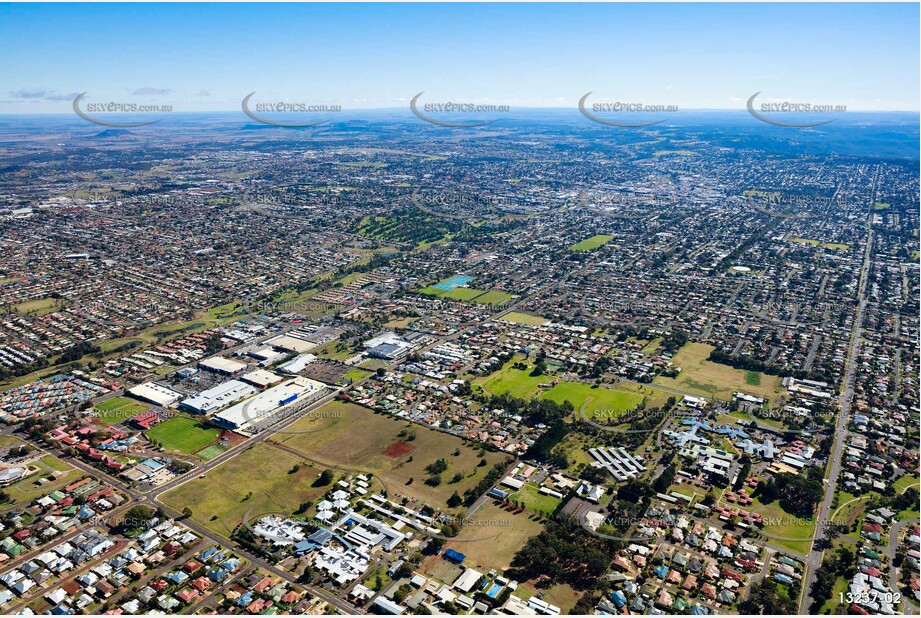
x: 183, y: 434
x: 524, y: 318
x: 345, y: 436
x: 816, y: 243
x: 521, y: 384
x: 517, y: 382
x: 601, y: 398
x: 701, y: 377
x: 590, y: 244
x: 493, y: 297
x: 483, y: 297
x: 119, y: 409
x: 463, y: 293
x: 262, y: 470
x: 38, y: 307
x: 210, y: 452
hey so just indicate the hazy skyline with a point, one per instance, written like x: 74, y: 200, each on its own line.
x: 207, y: 57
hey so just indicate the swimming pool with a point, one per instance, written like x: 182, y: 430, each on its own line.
x: 454, y: 282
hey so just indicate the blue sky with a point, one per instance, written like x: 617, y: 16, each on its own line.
x: 209, y: 56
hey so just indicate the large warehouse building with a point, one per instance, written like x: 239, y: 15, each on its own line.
x: 218, y: 397
x: 270, y: 405
x: 219, y: 364
x: 156, y: 394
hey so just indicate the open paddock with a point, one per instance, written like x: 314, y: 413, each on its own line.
x: 345, y: 436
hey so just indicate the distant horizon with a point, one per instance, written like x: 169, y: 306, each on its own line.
x: 514, y: 108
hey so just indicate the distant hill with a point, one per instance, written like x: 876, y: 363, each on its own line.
x: 115, y: 133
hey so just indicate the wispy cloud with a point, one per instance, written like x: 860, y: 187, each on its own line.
x: 148, y: 91
x: 42, y: 94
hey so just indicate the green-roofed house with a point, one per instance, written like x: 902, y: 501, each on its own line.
x: 788, y: 561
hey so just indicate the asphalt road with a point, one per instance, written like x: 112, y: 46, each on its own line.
x: 814, y: 560
x: 894, y: 533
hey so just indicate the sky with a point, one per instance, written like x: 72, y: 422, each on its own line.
x: 207, y: 57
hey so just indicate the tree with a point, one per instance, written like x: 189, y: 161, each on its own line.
x: 764, y: 598
x: 136, y: 518
x: 798, y: 494
x: 326, y: 477
x: 455, y: 500
x: 405, y: 570
x: 664, y: 480
x: 437, y: 467
x: 187, y: 513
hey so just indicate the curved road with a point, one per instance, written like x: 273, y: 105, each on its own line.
x: 894, y: 533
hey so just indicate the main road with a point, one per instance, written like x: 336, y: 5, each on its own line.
x: 814, y: 559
